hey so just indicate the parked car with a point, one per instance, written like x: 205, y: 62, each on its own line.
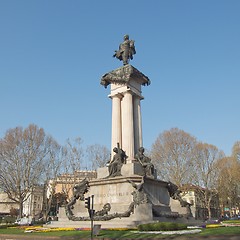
x: 24, y: 221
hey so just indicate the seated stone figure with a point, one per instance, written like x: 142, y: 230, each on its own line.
x: 145, y: 161
x: 118, y: 160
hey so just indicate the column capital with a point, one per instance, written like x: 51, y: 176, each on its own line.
x: 133, y: 92
x: 123, y: 75
x: 116, y: 95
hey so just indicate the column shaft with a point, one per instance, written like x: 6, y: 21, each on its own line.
x: 116, y: 121
x: 137, y: 124
x: 127, y: 126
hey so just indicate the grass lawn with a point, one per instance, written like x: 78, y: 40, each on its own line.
x: 121, y: 234
x: 232, y: 221
x: 220, y: 231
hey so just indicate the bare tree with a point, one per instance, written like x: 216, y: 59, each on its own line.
x: 229, y: 179
x: 52, y: 170
x: 207, y: 173
x: 24, y: 159
x: 236, y: 169
x: 173, y: 154
x: 98, y: 155
x: 236, y: 151
x: 72, y: 162
x: 228, y: 182
x: 73, y: 154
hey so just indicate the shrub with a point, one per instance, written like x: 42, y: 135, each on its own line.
x: 162, y: 226
x: 155, y: 226
x: 144, y: 227
x: 182, y: 226
x: 4, y: 226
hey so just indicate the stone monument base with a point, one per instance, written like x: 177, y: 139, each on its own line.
x: 122, y: 193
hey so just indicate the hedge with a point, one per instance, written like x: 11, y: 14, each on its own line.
x: 162, y: 226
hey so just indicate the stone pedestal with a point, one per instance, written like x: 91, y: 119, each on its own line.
x: 119, y: 193
x: 128, y: 169
x: 143, y: 212
x: 176, y: 207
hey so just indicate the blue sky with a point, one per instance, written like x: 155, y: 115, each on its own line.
x: 53, y: 54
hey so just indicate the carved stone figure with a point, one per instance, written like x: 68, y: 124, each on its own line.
x: 173, y: 190
x: 174, y: 193
x: 118, y: 160
x: 104, y: 211
x: 126, y: 50
x: 145, y: 161
x: 78, y: 193
x: 139, y: 195
x: 80, y: 189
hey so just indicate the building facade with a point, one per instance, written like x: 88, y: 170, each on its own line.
x: 6, y: 204
x: 34, y: 204
x: 194, y: 195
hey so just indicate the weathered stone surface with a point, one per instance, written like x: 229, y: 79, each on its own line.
x: 123, y: 75
x: 120, y: 192
x: 127, y: 170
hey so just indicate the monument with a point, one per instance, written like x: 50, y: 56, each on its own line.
x: 126, y: 191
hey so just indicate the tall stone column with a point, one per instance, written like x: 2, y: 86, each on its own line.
x: 126, y: 95
x: 137, y: 123
x: 116, y: 120
x: 127, y: 125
